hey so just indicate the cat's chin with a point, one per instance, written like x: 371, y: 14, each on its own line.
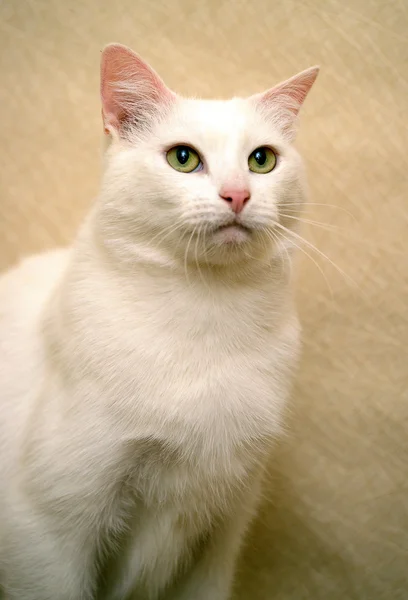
x: 233, y: 234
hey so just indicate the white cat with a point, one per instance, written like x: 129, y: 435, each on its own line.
x: 144, y: 372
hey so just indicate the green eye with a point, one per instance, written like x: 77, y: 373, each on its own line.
x: 262, y: 160
x: 183, y: 158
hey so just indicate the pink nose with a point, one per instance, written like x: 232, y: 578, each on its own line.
x: 236, y: 197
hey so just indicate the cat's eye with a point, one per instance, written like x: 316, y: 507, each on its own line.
x: 184, y: 159
x: 262, y: 160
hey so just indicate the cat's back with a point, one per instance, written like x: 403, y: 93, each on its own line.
x: 26, y: 285
x: 24, y: 291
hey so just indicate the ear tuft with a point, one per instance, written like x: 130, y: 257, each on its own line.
x: 131, y: 91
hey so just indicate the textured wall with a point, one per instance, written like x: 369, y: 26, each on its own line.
x: 335, y: 519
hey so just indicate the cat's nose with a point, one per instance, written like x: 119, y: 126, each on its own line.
x: 236, y: 198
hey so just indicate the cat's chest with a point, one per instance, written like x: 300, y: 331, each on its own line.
x: 188, y: 347
x: 178, y: 361
x: 200, y: 410
x: 186, y: 473
x: 214, y: 384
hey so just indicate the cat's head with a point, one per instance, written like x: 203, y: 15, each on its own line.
x: 197, y: 181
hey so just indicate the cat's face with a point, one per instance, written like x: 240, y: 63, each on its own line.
x: 202, y: 181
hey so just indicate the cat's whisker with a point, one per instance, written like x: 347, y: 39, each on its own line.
x: 310, y: 257
x: 205, y: 251
x: 341, y: 231
x: 248, y: 254
x: 264, y: 243
x: 167, y: 231
x: 301, y: 208
x: 319, y: 252
x: 287, y: 258
x: 186, y: 254
x: 326, y: 226
x: 203, y: 279
x: 275, y: 238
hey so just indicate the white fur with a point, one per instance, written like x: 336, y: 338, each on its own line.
x: 144, y: 372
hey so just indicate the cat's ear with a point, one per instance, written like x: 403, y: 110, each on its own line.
x: 284, y: 101
x: 131, y: 91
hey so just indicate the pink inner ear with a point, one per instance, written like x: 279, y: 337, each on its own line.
x: 128, y: 85
x: 291, y: 94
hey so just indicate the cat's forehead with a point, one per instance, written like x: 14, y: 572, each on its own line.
x: 217, y: 115
x: 216, y: 122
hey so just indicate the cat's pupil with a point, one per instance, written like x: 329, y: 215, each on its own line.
x: 183, y: 155
x: 260, y: 156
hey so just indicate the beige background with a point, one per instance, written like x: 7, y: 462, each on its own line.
x: 335, y: 520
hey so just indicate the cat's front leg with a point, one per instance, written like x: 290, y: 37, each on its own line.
x: 41, y: 559
x: 211, y: 577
